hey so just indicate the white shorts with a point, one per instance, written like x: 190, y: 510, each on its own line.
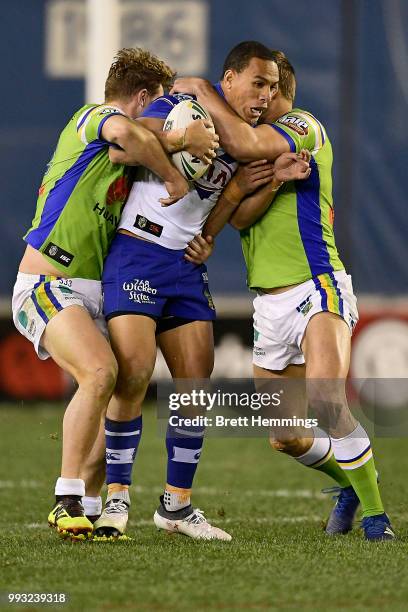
x: 38, y: 298
x: 280, y: 320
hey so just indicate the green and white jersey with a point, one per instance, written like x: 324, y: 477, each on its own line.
x: 81, y: 197
x: 294, y: 240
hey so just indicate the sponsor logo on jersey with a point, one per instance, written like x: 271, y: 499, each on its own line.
x: 295, y: 123
x: 108, y: 110
x: 118, y: 190
x: 23, y: 318
x: 64, y: 285
x: 64, y: 289
x: 148, y: 226
x: 305, y: 306
x: 57, y: 254
x: 259, y: 352
x: 217, y: 176
x: 108, y: 216
x: 209, y: 299
x: 32, y: 328
x: 184, y: 96
x: 26, y: 316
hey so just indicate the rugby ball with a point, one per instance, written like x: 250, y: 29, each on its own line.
x: 181, y: 115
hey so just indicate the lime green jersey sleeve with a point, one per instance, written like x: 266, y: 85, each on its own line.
x: 90, y: 122
x: 302, y: 130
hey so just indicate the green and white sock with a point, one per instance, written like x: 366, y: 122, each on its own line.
x: 355, y: 456
x: 320, y: 457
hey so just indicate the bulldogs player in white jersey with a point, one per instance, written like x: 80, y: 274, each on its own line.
x: 155, y: 295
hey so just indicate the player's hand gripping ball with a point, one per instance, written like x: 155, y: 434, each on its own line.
x: 181, y: 116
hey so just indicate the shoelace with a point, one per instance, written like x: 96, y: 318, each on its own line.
x: 198, y: 517
x: 342, y: 497
x: 115, y: 506
x: 336, y: 490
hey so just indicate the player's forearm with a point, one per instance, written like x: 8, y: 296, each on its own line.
x: 142, y: 147
x: 155, y: 159
x: 220, y: 215
x: 254, y: 206
x: 238, y: 138
x: 230, y: 128
x: 172, y: 141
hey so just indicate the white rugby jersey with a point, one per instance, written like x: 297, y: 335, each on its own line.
x: 174, y: 226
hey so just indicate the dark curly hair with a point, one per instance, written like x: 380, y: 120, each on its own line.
x: 239, y: 57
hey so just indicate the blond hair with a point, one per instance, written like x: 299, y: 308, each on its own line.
x: 287, y: 81
x: 135, y: 69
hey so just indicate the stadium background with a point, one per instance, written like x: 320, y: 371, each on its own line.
x: 351, y: 58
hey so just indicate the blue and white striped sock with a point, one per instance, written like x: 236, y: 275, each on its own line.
x: 122, y: 441
x: 184, y: 445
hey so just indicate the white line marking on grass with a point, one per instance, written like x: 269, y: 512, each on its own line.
x: 211, y: 491
x: 288, y: 493
x: 265, y: 520
x: 20, y: 484
x: 258, y: 521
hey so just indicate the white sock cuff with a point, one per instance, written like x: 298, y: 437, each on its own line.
x: 354, y: 450
x: 92, y: 505
x: 70, y: 486
x: 124, y: 495
x: 318, y: 451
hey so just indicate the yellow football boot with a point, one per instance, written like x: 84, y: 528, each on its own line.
x: 69, y: 519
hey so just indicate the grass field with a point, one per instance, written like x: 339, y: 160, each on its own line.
x: 279, y: 558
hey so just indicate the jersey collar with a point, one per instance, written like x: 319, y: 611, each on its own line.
x: 219, y: 90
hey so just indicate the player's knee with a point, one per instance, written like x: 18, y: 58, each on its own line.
x: 100, y: 377
x: 289, y: 444
x: 132, y: 384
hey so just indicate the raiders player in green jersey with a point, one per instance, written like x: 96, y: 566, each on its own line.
x: 305, y: 309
